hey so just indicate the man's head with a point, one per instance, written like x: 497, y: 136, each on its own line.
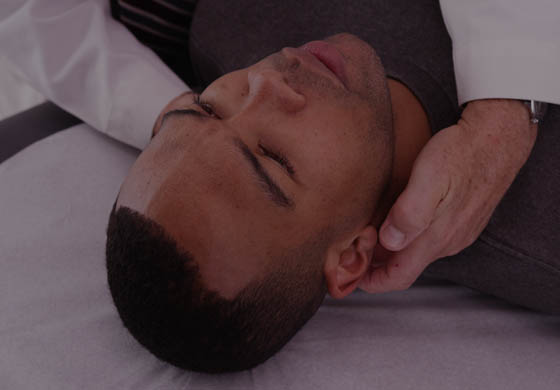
x: 237, y: 218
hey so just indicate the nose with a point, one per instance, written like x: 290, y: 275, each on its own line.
x: 269, y: 86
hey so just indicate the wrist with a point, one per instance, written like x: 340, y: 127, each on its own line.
x: 505, y: 109
x: 500, y: 115
x: 502, y: 122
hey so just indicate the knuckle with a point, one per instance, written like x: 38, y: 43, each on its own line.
x: 452, y: 251
x: 451, y: 246
x: 459, y: 243
x: 448, y: 237
x: 410, y: 217
x: 470, y: 240
x: 443, y: 234
x: 461, y: 237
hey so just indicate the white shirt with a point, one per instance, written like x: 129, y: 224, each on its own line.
x: 74, y: 53
x: 505, y: 48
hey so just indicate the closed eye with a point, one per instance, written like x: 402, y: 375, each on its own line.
x: 207, y: 107
x: 279, y: 158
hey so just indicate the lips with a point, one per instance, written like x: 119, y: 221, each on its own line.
x: 329, y: 56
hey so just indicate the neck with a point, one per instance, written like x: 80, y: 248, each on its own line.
x: 412, y: 132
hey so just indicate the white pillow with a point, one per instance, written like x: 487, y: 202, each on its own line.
x: 59, y: 328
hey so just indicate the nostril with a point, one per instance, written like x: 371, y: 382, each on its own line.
x: 291, y: 102
x: 293, y: 64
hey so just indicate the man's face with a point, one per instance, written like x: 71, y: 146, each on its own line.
x: 281, y: 153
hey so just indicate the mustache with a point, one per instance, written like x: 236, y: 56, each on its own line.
x: 281, y: 63
x: 297, y: 75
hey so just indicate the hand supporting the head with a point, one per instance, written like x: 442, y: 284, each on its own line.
x: 456, y: 183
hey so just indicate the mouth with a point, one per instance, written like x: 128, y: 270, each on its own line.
x: 322, y: 57
x: 330, y: 57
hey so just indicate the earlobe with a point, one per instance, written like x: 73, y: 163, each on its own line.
x: 347, y: 262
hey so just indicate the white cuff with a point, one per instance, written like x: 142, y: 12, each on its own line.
x: 511, y: 69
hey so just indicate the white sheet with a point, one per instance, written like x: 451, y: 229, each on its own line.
x: 59, y: 329
x: 16, y: 95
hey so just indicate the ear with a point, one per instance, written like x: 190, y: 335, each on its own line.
x: 348, y: 260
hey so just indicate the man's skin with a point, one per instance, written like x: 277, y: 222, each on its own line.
x: 456, y: 183
x: 410, y: 125
x: 194, y: 180
x: 255, y: 102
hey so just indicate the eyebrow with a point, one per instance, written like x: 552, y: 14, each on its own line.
x: 182, y: 112
x: 272, y: 189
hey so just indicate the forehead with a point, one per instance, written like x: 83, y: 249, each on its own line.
x: 204, y: 170
x: 230, y: 230
x: 323, y: 142
x: 194, y: 182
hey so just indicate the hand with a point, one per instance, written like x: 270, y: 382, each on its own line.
x: 183, y: 100
x: 456, y: 182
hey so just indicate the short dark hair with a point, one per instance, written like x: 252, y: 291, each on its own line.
x: 161, y: 298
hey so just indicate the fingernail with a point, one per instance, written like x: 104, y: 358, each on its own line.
x: 393, y: 237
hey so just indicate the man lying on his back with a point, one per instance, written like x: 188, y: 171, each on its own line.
x: 239, y: 215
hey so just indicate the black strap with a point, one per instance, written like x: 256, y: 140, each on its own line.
x: 21, y: 130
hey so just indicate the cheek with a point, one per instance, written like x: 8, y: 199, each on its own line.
x: 225, y: 176
x: 323, y: 154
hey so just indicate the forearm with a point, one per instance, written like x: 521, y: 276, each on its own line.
x: 80, y: 58
x: 502, y: 134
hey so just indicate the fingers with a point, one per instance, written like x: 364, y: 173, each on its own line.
x: 401, y: 269
x: 415, y: 208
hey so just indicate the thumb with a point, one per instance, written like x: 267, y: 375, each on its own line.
x: 414, y: 209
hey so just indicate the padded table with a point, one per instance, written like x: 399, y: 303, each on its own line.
x: 59, y: 329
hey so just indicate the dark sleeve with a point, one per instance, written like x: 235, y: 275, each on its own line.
x: 163, y: 27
